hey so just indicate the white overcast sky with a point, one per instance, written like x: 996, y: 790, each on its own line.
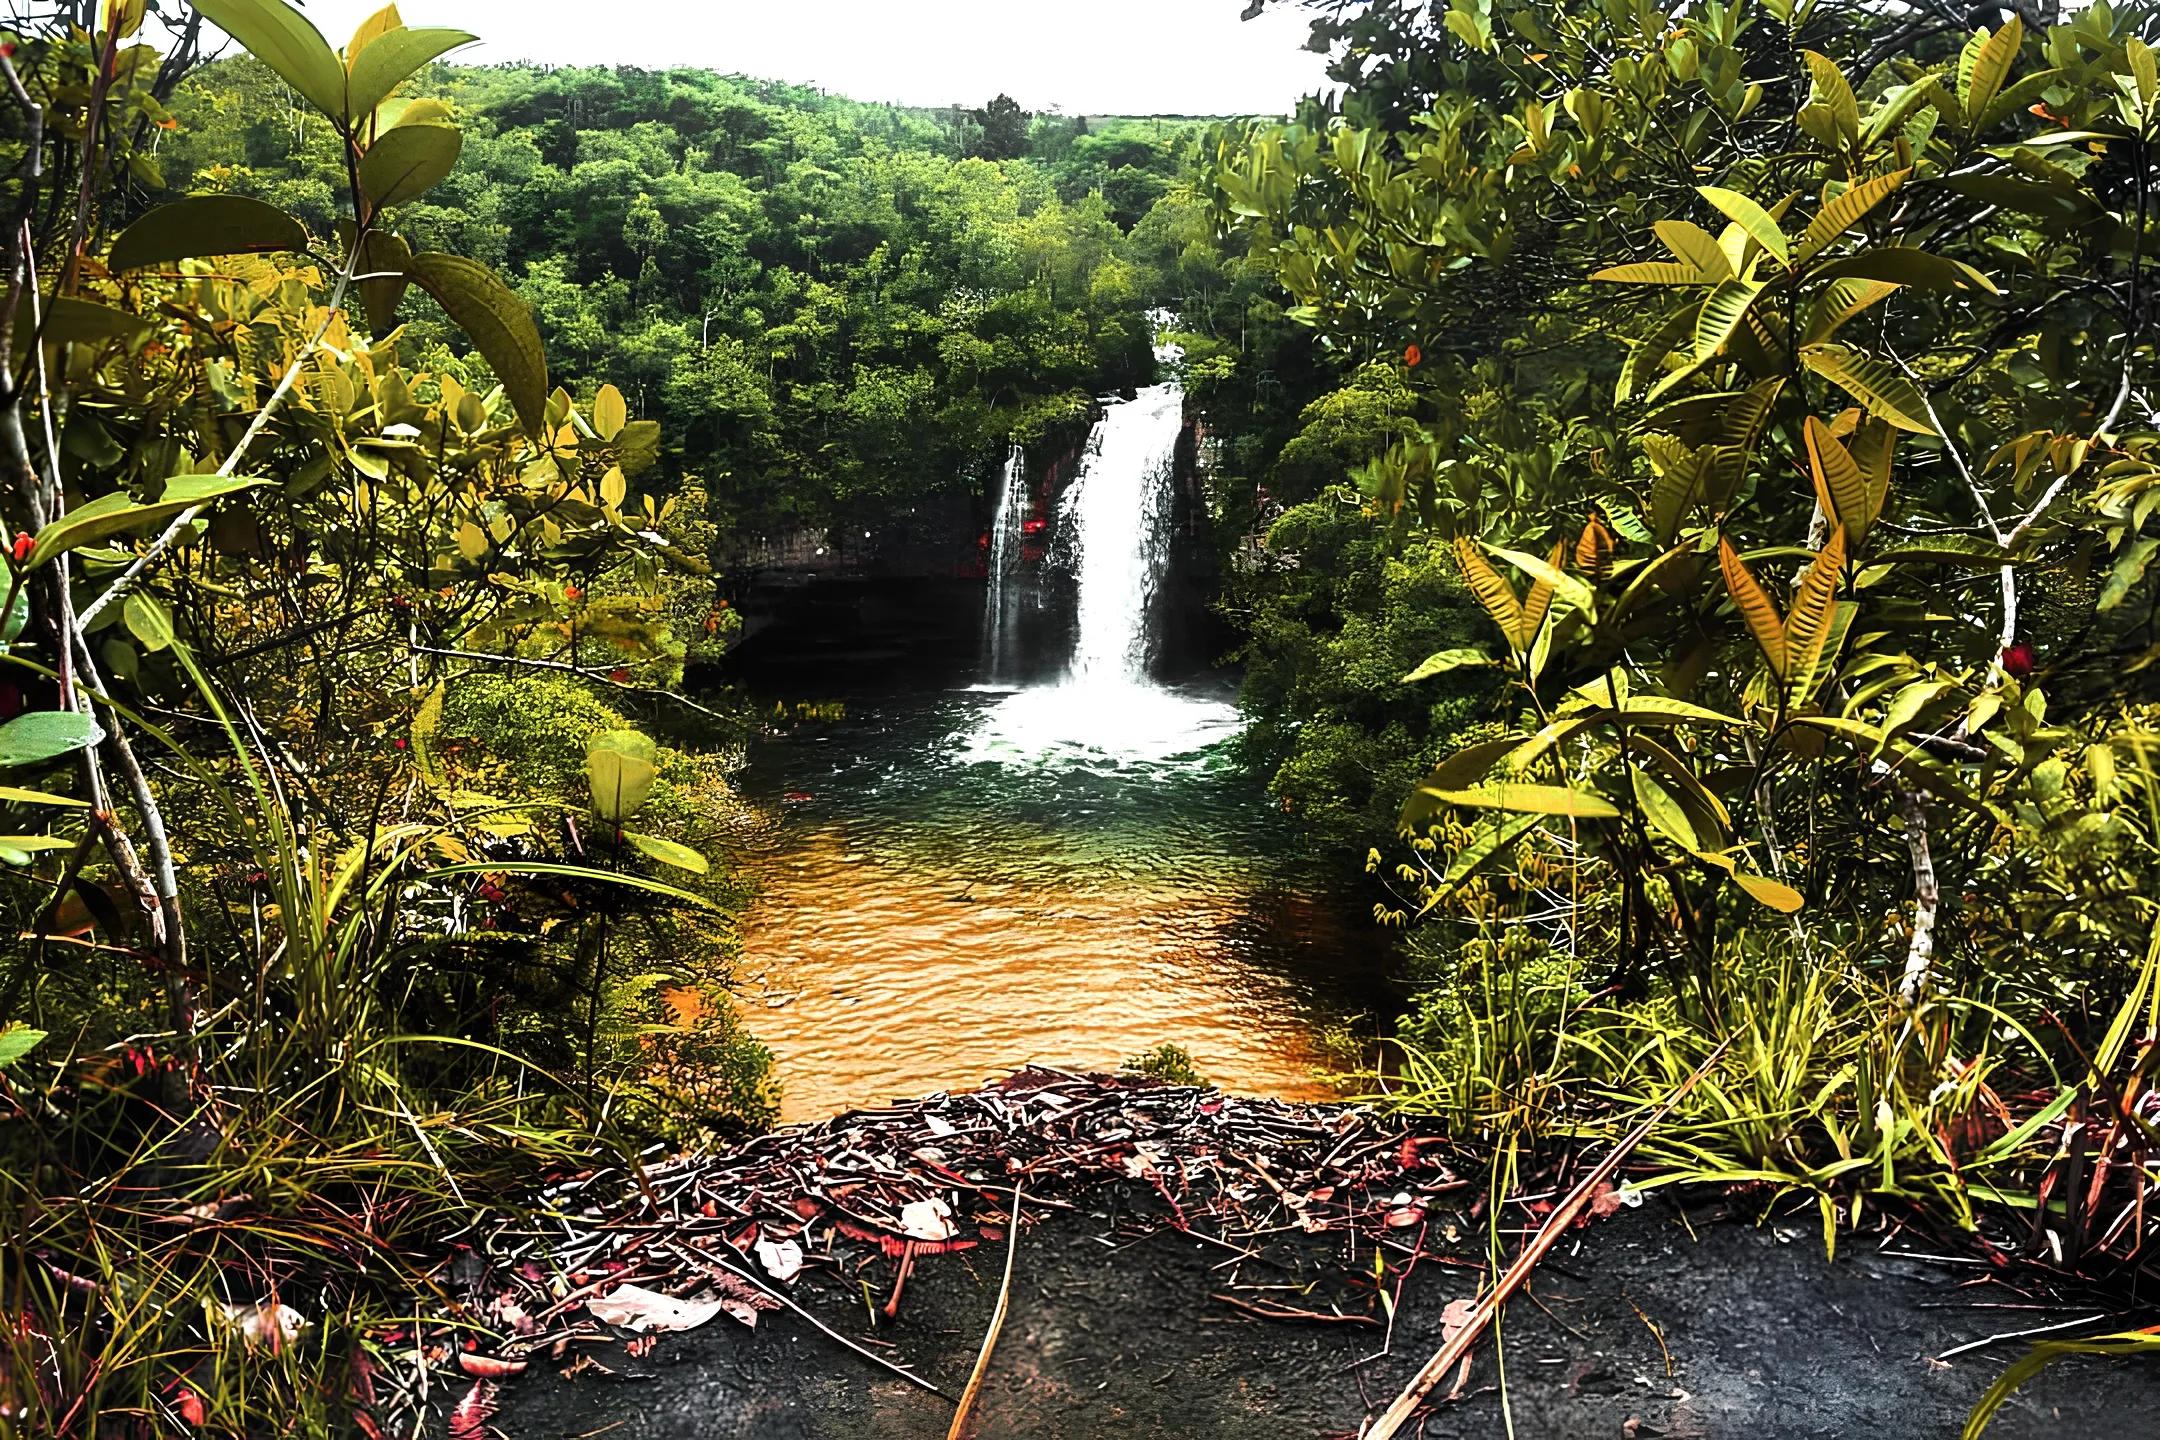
x: 1079, y: 56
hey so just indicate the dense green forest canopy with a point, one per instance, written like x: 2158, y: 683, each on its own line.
x: 832, y: 307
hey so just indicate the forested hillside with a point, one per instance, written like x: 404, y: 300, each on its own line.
x: 831, y: 307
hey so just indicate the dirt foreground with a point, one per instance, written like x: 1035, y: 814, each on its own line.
x: 1190, y: 1266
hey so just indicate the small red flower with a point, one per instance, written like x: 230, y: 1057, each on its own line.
x: 1412, y: 355
x: 2018, y: 660
x: 24, y: 542
x: 572, y: 592
x: 189, y: 1405
x: 401, y: 743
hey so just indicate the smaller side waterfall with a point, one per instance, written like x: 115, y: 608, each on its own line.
x: 999, y: 661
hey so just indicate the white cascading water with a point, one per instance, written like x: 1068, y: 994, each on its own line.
x: 1001, y: 597
x: 1117, y: 514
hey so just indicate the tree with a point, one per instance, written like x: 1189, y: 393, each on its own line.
x: 1001, y: 130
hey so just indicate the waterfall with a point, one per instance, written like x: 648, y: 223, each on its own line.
x: 998, y: 660
x: 1107, y: 714
x: 1118, y: 514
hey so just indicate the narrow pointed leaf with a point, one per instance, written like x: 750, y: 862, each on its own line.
x: 1532, y: 800
x: 1724, y: 312
x: 1491, y: 591
x: 1755, y: 606
x: 1814, y: 608
x: 1693, y: 245
x: 1873, y: 383
x: 1774, y: 893
x: 1840, y: 487
x: 1750, y: 217
x: 1846, y: 211
x: 1653, y: 272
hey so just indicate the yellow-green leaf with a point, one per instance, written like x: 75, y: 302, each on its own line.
x: 609, y: 413
x: 1750, y: 217
x: 1873, y: 383
x: 389, y: 61
x: 1653, y: 272
x: 1444, y: 661
x: 498, y: 323
x: 1846, y: 211
x: 1693, y: 245
x: 1532, y: 800
x: 1985, y: 64
x: 1774, y: 893
x: 1840, y: 487
x: 408, y: 162
x: 1808, y: 625
x: 668, y: 852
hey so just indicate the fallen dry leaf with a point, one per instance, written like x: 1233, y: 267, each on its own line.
x: 469, y: 1420
x: 271, y: 1325
x: 781, y: 1259
x: 635, y: 1308
x: 487, y: 1367
x: 928, y: 1220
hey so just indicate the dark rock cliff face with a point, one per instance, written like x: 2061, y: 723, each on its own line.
x: 900, y: 599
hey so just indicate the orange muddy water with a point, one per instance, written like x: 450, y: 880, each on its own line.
x: 956, y: 885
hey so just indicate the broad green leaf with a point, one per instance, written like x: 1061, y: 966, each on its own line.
x: 148, y: 621
x: 1902, y: 265
x: 1724, y: 312
x: 1835, y: 91
x: 1755, y: 606
x: 1446, y: 660
x: 1679, y: 476
x: 2144, y: 70
x: 282, y: 39
x: 1465, y: 767
x: 17, y: 1040
x: 408, y: 162
x: 1750, y: 217
x: 620, y: 768
x: 1693, y: 245
x: 17, y: 795
x: 1985, y: 64
x: 1946, y: 550
x: 1873, y: 383
x: 1839, y: 302
x: 667, y: 852
x: 68, y: 320
x: 1532, y: 800
x: 426, y: 726
x: 110, y: 516
x: 1662, y: 811
x: 2126, y: 572
x: 498, y: 323
x: 1774, y: 893
x: 609, y: 413
x: 44, y: 735
x: 1846, y: 211
x: 200, y: 225
x: 389, y: 61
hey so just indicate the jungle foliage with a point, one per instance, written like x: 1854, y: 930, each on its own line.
x: 832, y: 308
x: 1777, y: 380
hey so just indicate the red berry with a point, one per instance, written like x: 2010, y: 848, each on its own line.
x: 1412, y: 355
x: 400, y: 743
x: 571, y: 592
x: 2018, y: 660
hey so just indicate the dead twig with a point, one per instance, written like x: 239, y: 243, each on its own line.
x: 1556, y: 1224
x: 958, y: 1429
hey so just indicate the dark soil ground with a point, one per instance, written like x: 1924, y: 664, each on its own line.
x: 1655, y: 1322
